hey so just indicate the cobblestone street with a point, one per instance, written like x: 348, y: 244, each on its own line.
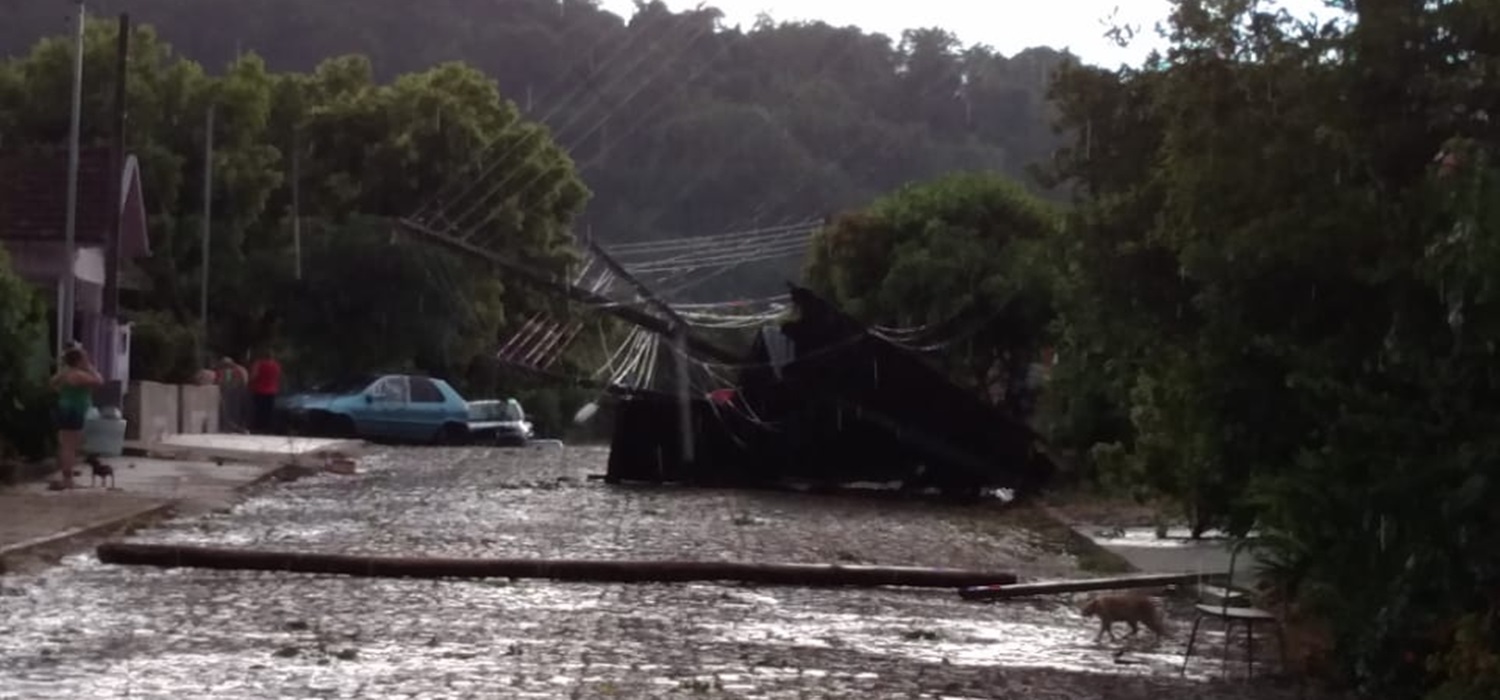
x: 83, y: 629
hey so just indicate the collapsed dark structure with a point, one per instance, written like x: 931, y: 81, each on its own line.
x: 822, y: 399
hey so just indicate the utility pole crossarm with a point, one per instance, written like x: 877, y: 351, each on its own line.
x: 641, y: 289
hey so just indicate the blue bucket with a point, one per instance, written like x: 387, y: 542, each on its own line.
x: 104, y: 433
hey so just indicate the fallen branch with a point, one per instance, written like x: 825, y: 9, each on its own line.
x: 175, y: 556
x: 1016, y: 590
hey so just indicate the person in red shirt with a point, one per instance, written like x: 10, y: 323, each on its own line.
x: 265, y: 384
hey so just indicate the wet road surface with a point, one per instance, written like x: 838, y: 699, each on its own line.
x: 83, y: 629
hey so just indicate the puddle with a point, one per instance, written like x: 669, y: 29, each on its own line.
x: 1150, y: 537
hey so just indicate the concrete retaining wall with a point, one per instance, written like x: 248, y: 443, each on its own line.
x: 153, y: 410
x: 234, y: 410
x: 199, y: 409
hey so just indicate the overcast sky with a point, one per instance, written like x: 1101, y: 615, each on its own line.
x: 1007, y: 26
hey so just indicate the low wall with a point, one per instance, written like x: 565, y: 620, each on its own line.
x: 153, y: 410
x: 198, y: 409
x: 234, y: 410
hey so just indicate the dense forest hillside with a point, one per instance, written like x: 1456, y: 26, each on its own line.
x: 678, y: 125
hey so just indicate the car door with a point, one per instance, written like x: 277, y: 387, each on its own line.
x: 427, y: 412
x: 386, y: 401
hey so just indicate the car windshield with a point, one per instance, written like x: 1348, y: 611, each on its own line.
x: 492, y: 409
x: 348, y: 385
x: 511, y: 410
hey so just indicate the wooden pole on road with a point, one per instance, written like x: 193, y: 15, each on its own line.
x: 178, y: 556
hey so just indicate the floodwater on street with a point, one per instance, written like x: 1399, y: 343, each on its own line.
x: 83, y: 629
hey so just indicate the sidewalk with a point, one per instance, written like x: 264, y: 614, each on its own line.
x: 34, y: 520
x: 1175, y: 554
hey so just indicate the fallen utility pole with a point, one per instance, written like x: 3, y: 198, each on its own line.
x: 681, y: 336
x: 573, y: 292
x: 1000, y: 591
x: 640, y: 287
x: 177, y: 556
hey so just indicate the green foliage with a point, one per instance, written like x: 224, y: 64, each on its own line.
x: 970, y: 243
x: 162, y: 348
x: 364, y: 153
x: 381, y: 303
x: 681, y: 126
x: 24, y: 398
x: 1276, y: 307
x: 1472, y: 665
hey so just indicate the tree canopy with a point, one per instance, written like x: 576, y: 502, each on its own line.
x: 967, y: 251
x: 1276, y: 305
x: 1272, y: 299
x: 362, y: 151
x: 680, y: 125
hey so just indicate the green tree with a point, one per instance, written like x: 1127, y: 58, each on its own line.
x: 1289, y: 299
x: 654, y: 107
x: 378, y: 303
x: 24, y: 417
x: 364, y: 151
x: 970, y: 244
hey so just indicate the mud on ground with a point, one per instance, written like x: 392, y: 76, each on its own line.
x: 86, y: 630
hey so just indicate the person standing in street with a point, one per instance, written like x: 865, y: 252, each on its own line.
x: 74, y: 382
x: 230, y: 374
x: 234, y: 395
x: 265, y: 384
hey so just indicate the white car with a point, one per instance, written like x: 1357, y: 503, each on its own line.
x: 505, y: 420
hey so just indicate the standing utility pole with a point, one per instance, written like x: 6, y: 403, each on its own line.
x: 70, y: 231
x: 680, y: 338
x: 208, y: 210
x: 297, y: 200
x: 116, y: 180
x: 684, y: 393
x: 113, y: 391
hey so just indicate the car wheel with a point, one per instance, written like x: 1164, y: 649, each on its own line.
x: 453, y: 434
x: 317, y: 424
x: 329, y: 425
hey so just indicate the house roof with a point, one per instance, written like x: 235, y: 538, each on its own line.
x: 34, y: 195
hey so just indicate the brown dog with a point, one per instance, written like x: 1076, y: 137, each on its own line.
x: 1131, y: 608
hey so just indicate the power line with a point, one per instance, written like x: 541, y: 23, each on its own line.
x: 687, y: 243
x: 769, y: 252
x: 749, y: 246
x: 645, y: 113
x: 423, y: 213
x: 458, y: 224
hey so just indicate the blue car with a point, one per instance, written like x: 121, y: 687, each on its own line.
x: 403, y: 408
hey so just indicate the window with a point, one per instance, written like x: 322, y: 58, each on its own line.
x: 347, y: 385
x: 390, y: 389
x: 513, y: 410
x: 423, y: 390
